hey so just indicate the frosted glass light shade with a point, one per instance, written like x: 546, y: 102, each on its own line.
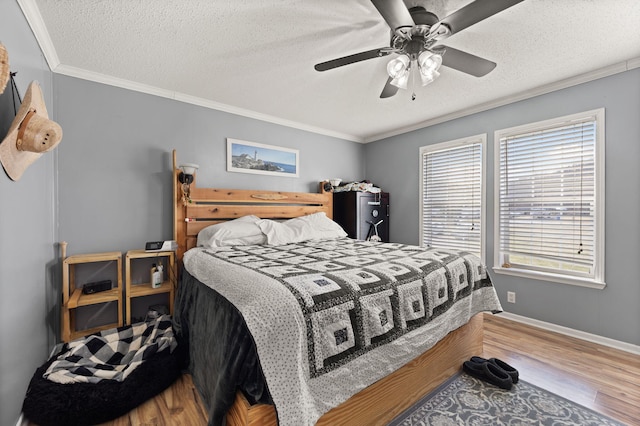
x: 429, y: 64
x: 401, y: 81
x: 188, y: 168
x: 397, y: 67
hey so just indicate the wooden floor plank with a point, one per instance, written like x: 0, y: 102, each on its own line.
x: 149, y: 414
x: 603, y: 379
x: 184, y: 404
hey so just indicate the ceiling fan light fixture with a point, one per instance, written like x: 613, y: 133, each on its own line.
x: 397, y: 67
x: 428, y: 77
x: 401, y: 81
x: 429, y: 63
x: 416, y: 36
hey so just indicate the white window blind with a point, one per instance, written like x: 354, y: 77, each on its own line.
x: 547, y: 197
x: 452, y: 195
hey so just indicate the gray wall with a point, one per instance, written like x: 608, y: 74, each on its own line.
x: 613, y: 312
x: 27, y: 236
x: 115, y: 163
x: 108, y: 187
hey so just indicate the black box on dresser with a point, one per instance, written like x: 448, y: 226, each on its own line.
x: 358, y: 212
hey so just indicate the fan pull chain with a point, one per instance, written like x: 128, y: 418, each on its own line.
x: 413, y: 85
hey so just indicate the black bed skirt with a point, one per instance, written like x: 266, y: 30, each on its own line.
x: 221, y: 353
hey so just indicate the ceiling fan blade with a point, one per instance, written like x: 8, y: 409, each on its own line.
x: 396, y: 14
x: 475, y: 12
x: 466, y: 62
x: 346, y: 60
x: 388, y: 90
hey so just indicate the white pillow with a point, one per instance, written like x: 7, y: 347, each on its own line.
x: 315, y: 226
x: 241, y: 231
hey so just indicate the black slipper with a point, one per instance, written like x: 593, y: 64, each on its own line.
x: 506, y: 367
x: 489, y: 373
x: 499, y: 363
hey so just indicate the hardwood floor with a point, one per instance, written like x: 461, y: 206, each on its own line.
x: 603, y: 379
x: 598, y: 377
x: 179, y: 405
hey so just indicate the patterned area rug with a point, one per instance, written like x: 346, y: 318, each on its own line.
x: 465, y: 400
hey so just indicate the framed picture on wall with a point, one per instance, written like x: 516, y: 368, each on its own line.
x: 258, y: 158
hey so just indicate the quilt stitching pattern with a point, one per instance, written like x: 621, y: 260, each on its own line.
x: 358, y: 295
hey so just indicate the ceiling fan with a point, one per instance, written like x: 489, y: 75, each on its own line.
x: 416, y: 35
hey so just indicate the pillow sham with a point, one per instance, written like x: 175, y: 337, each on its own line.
x: 241, y: 231
x: 315, y: 226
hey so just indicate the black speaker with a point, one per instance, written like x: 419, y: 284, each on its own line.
x: 96, y: 287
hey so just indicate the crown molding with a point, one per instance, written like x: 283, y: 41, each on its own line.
x: 206, y: 103
x: 194, y: 100
x: 540, y: 90
x: 34, y: 19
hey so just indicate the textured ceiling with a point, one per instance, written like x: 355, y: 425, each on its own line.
x: 256, y: 57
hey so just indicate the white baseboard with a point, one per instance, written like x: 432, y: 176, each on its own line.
x: 605, y: 341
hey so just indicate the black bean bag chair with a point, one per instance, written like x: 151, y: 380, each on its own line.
x: 48, y: 403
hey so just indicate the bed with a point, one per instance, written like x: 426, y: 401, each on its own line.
x: 320, y: 362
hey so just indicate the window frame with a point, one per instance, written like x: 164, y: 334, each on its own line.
x: 441, y: 146
x: 597, y: 279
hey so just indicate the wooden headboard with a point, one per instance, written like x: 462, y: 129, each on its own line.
x: 209, y: 206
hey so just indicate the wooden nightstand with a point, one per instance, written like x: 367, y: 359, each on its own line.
x: 73, y: 297
x: 141, y: 289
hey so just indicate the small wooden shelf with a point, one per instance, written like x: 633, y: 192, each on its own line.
x: 144, y: 289
x: 80, y: 299
x: 73, y: 298
x: 138, y: 290
x: 81, y: 333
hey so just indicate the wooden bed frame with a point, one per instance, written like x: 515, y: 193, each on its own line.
x: 379, y: 403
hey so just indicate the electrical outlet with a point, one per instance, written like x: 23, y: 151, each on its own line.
x: 511, y: 296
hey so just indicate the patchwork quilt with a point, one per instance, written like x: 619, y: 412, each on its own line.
x: 331, y: 317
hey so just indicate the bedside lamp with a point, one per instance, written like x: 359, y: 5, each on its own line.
x: 186, y: 175
x: 186, y: 179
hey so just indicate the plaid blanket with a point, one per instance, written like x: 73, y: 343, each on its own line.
x: 111, y: 354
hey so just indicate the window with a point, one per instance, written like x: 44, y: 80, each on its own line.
x: 452, y: 195
x: 549, y: 216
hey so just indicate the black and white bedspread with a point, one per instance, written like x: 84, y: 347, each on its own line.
x: 331, y: 317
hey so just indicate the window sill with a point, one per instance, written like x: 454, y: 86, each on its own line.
x: 546, y: 276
